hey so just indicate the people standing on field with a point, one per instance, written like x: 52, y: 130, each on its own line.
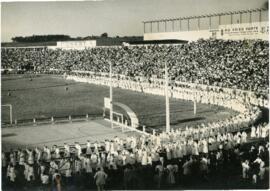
x: 100, y: 179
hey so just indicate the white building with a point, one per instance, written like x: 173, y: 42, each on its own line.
x: 74, y: 45
x: 238, y: 25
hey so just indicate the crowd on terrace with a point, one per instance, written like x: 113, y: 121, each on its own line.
x: 163, y: 160
x: 224, y: 63
x: 143, y: 162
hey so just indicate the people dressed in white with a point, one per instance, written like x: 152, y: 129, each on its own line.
x: 245, y: 169
x: 253, y: 132
x: 11, y: 173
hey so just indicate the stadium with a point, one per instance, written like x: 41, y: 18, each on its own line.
x: 185, y: 108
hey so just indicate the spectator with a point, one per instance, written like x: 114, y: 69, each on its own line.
x: 100, y: 178
x: 202, y: 150
x: 44, y: 181
x: 245, y: 169
x: 225, y: 63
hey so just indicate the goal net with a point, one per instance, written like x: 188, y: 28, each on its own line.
x: 118, y: 119
x: 6, y: 114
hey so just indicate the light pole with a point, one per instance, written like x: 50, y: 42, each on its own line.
x: 168, y: 128
x: 111, y: 96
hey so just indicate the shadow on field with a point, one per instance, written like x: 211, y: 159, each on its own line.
x: 176, y: 122
x: 42, y: 87
x: 188, y: 120
x: 9, y: 135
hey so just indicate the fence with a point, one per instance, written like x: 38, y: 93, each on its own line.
x: 52, y: 120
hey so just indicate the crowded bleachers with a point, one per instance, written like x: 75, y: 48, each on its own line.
x: 233, y: 64
x: 235, y: 147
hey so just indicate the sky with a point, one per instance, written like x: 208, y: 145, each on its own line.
x: 94, y: 17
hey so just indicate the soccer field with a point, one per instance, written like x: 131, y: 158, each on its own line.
x: 46, y: 95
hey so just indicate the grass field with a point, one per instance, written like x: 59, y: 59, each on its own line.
x: 46, y: 96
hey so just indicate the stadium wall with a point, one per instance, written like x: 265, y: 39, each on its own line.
x: 184, y: 35
x: 74, y: 45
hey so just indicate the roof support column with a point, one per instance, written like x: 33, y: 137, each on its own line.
x: 143, y: 27
x: 240, y: 18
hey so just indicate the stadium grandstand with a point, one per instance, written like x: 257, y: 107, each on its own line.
x: 212, y: 65
x: 237, y: 25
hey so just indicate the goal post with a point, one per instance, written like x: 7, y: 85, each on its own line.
x: 9, y: 106
x: 119, y: 118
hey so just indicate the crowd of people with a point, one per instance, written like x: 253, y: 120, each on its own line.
x: 141, y: 162
x: 248, y: 112
x: 162, y: 159
x: 224, y: 63
x: 187, y: 91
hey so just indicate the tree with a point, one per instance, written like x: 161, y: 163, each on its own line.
x: 265, y: 5
x: 41, y: 38
x: 17, y: 39
x: 104, y: 35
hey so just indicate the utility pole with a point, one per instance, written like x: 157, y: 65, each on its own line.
x: 168, y: 128
x: 111, y: 96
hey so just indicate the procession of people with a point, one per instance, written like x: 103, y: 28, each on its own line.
x: 167, y: 159
x: 232, y: 74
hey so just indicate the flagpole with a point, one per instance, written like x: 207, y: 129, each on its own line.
x: 111, y: 96
x: 168, y: 128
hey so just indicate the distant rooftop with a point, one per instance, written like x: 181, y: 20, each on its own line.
x: 210, y: 15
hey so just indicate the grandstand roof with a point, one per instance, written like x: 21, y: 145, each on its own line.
x: 209, y: 15
x: 170, y: 41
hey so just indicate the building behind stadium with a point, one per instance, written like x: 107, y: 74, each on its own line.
x: 238, y: 25
x: 77, y: 45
